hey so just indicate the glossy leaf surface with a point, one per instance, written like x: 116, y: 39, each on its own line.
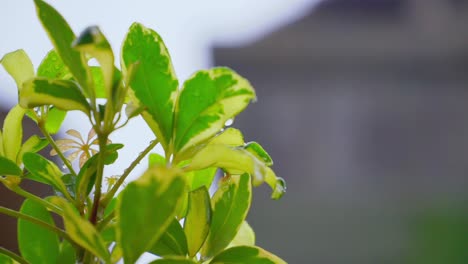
x: 198, y: 219
x: 207, y: 100
x: 246, y: 254
x: 37, y: 244
x: 154, y: 82
x: 64, y: 95
x: 158, y: 194
x: 230, y: 204
x: 62, y: 36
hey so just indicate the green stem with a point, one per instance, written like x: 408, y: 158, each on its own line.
x: 57, y: 149
x: 12, y: 255
x: 127, y: 171
x: 38, y: 199
x: 105, y: 221
x: 39, y: 222
x: 99, y: 175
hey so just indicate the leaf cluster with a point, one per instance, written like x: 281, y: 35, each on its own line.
x: 103, y: 225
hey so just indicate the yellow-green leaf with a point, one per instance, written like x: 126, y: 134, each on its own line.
x: 198, y: 219
x: 19, y: 66
x: 154, y: 82
x: 62, y: 36
x: 173, y: 260
x: 63, y: 94
x: 13, y: 132
x: 36, y: 243
x: 246, y: 254
x: 52, y: 67
x: 94, y: 43
x: 146, y: 208
x: 81, y: 230
x: 244, y: 237
x: 230, y: 204
x: 2, y: 153
x: 208, y: 99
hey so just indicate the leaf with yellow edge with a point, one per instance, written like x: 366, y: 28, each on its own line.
x: 81, y: 230
x: 146, y: 208
x: 32, y: 144
x: 63, y: 94
x: 198, y: 219
x: 207, y: 100
x: 244, y: 237
x: 19, y: 66
x: 246, y: 254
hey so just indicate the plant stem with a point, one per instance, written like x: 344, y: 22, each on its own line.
x: 102, y: 137
x: 105, y: 221
x: 38, y: 199
x: 128, y: 170
x: 36, y: 221
x: 56, y: 148
x: 12, y: 255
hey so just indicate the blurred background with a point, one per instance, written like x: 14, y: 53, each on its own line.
x: 363, y: 104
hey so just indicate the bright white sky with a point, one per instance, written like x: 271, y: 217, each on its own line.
x: 189, y: 29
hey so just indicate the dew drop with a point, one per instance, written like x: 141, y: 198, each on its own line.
x: 64, y: 166
x: 229, y: 122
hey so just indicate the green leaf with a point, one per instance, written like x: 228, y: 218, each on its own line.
x: 82, y: 231
x: 63, y: 94
x: 198, y: 219
x: 244, y: 237
x: 231, y: 204
x: 32, y: 144
x: 246, y: 254
x: 8, y: 167
x: 98, y: 78
x: 154, y: 82
x: 199, y: 178
x: 173, y: 260
x: 237, y: 161
x: 94, y: 43
x: 45, y: 170
x: 37, y: 244
x: 67, y: 253
x: 54, y: 120
x: 156, y: 159
x: 62, y: 36
x: 13, y: 132
x: 158, y: 195
x: 19, y: 66
x: 172, y: 242
x: 52, y: 67
x: 4, y: 259
x: 208, y: 99
x: 2, y: 153
x: 229, y: 137
x: 259, y: 152
x: 86, y: 178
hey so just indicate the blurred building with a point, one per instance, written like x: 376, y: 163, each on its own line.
x: 363, y: 105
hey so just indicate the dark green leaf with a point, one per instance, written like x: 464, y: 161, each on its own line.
x: 8, y: 167
x: 231, y: 204
x: 198, y: 219
x: 62, y: 37
x: 19, y: 66
x: 62, y: 94
x: 154, y: 82
x: 67, y: 253
x: 86, y: 178
x: 146, y: 208
x: 208, y: 99
x: 246, y: 254
x: 172, y: 242
x: 37, y: 244
x: 6, y: 259
x: 81, y: 230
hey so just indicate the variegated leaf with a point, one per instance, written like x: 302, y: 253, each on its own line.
x: 246, y: 254
x: 19, y: 66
